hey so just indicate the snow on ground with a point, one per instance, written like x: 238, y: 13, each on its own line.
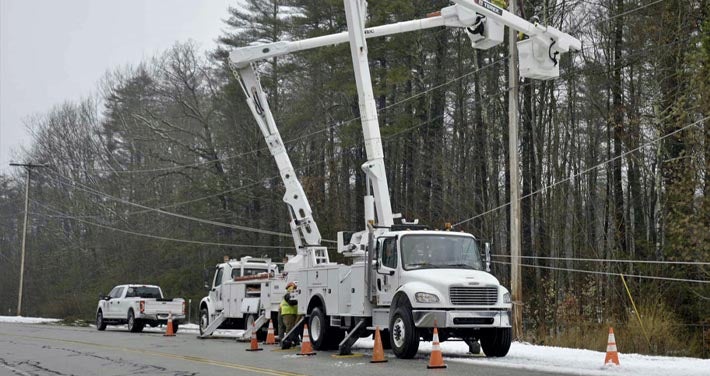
x: 26, y: 320
x: 521, y: 355
x: 564, y: 360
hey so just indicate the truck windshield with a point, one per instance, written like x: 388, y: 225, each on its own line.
x: 436, y: 251
x: 143, y: 292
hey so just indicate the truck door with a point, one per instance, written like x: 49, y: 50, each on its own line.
x: 115, y: 308
x: 386, y: 274
x: 216, y: 292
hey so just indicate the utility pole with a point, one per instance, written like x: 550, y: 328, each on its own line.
x: 28, y: 167
x: 516, y: 284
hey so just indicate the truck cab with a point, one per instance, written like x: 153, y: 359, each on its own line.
x: 428, y: 278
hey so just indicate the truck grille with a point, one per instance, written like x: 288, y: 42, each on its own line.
x: 474, y: 295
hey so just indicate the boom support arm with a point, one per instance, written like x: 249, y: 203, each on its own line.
x: 303, y: 228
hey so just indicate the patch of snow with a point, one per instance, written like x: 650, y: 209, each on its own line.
x: 26, y: 320
x: 564, y: 360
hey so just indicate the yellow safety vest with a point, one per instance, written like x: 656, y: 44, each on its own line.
x: 287, y: 309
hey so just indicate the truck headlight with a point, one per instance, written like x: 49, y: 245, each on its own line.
x: 425, y: 297
x: 506, y: 297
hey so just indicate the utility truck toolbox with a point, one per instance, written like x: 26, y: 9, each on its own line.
x: 138, y: 306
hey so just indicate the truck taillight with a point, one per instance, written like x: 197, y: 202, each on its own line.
x: 183, y: 308
x: 142, y: 306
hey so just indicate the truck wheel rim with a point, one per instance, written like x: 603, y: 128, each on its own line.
x: 398, y: 332
x: 315, y: 328
x: 130, y: 322
x: 203, y: 322
x: 99, y: 319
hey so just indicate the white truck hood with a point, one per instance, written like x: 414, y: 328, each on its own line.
x: 441, y: 279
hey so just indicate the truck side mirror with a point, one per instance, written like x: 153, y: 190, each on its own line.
x: 206, y: 278
x: 488, y: 256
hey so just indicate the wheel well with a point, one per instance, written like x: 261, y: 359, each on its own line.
x: 203, y: 306
x: 316, y: 301
x: 398, y: 300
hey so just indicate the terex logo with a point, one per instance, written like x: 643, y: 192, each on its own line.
x: 492, y: 8
x: 368, y: 31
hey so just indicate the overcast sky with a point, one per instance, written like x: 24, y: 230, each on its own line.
x: 57, y: 50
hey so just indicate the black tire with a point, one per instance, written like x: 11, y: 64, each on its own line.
x: 134, y: 325
x: 204, y: 320
x: 100, y: 323
x: 386, y: 342
x: 495, y: 342
x: 318, y: 329
x: 404, y: 337
x: 175, y: 327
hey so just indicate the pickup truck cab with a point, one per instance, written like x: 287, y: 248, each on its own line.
x: 137, y: 306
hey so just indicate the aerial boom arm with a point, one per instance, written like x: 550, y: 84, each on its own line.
x: 303, y: 228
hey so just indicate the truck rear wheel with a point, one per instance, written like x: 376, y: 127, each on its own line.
x: 260, y: 333
x: 403, y: 334
x: 318, y: 328
x: 134, y: 325
x: 495, y: 342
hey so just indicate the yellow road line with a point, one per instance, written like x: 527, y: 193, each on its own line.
x: 196, y: 359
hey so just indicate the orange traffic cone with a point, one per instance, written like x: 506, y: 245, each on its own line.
x: 254, y: 345
x: 169, y: 332
x: 306, y: 348
x: 436, y: 360
x: 378, y: 353
x: 611, y: 355
x: 270, y: 338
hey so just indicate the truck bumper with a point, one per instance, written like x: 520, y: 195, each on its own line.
x: 462, y: 319
x: 163, y: 318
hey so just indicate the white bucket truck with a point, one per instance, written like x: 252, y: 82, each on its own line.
x: 403, y: 278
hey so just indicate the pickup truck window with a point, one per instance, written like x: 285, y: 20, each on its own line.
x: 143, y: 292
x: 116, y: 292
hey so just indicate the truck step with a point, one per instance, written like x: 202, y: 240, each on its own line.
x: 260, y: 321
x: 346, y: 344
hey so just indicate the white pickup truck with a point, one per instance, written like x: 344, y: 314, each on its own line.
x: 138, y: 305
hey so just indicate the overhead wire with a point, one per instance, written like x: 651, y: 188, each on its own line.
x: 67, y: 216
x: 585, y: 171
x: 670, y: 262
x: 673, y: 279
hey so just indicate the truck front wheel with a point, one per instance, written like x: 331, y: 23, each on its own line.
x: 100, y: 323
x: 495, y: 342
x: 404, y: 338
x: 204, y: 320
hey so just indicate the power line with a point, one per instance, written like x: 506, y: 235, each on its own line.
x: 67, y: 216
x: 586, y: 170
x: 609, y: 273
x: 82, y: 187
x: 699, y: 263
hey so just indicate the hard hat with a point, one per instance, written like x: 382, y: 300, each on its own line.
x: 291, y: 285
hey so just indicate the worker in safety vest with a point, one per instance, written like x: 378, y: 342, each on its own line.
x: 289, y: 310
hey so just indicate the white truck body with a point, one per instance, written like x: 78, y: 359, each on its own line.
x: 137, y: 306
x: 238, y: 293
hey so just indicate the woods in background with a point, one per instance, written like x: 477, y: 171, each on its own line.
x: 615, y: 162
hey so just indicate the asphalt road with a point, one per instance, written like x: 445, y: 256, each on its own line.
x: 59, y: 350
